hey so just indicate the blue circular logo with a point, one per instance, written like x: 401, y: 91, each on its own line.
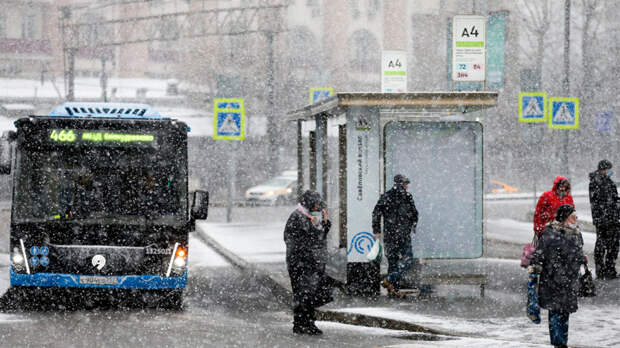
x: 44, y: 251
x: 34, y: 261
x: 361, y: 242
x: 34, y: 250
x: 45, y: 261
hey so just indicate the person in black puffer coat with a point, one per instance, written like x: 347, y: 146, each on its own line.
x: 558, y: 259
x: 306, y: 255
x: 400, y: 218
x: 605, y: 215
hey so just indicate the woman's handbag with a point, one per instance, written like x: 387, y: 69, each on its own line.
x: 586, y: 284
x: 375, y: 253
x: 533, y: 309
x: 528, y: 253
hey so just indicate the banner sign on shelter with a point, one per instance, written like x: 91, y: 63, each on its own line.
x: 532, y: 107
x: 363, y: 136
x: 228, y: 119
x: 394, y: 72
x: 468, y: 48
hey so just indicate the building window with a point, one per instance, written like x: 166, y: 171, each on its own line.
x: 364, y: 52
x: 2, y: 25
x: 354, y: 6
x: 30, y: 26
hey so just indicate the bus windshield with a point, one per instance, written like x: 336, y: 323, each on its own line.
x: 90, y: 183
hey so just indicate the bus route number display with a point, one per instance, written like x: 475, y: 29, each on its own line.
x: 94, y: 137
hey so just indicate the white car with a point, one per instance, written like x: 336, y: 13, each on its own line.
x: 278, y: 191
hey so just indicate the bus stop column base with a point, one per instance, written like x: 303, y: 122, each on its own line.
x: 363, y: 278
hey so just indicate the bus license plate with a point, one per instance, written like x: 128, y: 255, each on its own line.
x: 98, y: 280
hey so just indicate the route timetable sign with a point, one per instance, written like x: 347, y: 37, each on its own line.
x: 468, y: 48
x: 394, y: 72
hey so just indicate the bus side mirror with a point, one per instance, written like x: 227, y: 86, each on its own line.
x: 6, y: 152
x: 200, y: 205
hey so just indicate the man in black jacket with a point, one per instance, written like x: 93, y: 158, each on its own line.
x: 605, y: 215
x: 400, y: 218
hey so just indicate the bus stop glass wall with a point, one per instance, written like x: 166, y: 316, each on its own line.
x: 444, y: 163
x: 306, y: 128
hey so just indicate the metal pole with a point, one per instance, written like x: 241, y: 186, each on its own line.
x: 566, y: 82
x: 272, y: 127
x: 104, y: 80
x: 70, y: 76
x: 232, y: 169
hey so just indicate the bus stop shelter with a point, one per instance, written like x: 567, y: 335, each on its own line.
x: 351, y: 145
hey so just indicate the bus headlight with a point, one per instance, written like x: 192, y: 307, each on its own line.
x: 179, y: 262
x: 18, y: 258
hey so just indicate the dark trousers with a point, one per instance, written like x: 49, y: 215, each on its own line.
x: 606, y: 249
x: 400, y: 260
x: 303, y: 316
x: 558, y: 328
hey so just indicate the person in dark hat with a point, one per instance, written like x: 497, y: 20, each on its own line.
x: 557, y: 259
x: 605, y: 216
x: 305, y: 235
x: 400, y: 218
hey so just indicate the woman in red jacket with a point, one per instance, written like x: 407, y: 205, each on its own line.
x: 549, y: 202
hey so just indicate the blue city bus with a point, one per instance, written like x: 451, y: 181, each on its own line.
x: 100, y: 199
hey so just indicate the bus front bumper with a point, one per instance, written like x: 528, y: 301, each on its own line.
x: 148, y: 282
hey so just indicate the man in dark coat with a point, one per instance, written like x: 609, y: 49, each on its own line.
x: 306, y: 249
x: 558, y: 258
x: 400, y: 218
x: 605, y: 215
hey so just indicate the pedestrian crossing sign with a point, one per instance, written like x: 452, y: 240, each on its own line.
x: 319, y: 93
x: 564, y: 113
x: 532, y: 107
x: 228, y: 119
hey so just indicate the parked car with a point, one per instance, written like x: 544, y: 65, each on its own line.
x: 279, y: 190
x: 500, y: 187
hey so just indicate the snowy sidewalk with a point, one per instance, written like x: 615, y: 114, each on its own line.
x: 497, y: 319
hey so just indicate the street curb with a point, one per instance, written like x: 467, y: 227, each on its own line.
x: 284, y: 295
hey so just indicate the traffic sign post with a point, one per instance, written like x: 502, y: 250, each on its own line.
x: 228, y: 119
x: 564, y: 113
x: 229, y: 124
x: 319, y: 93
x: 468, y: 48
x: 532, y: 107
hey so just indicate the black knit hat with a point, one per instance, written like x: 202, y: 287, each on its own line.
x: 604, y: 164
x: 564, y: 212
x: 400, y: 179
x: 309, y: 199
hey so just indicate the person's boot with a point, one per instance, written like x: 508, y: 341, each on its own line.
x: 391, y: 290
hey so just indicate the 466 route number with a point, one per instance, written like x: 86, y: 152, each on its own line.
x: 63, y: 136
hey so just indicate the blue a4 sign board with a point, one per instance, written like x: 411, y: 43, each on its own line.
x: 564, y: 113
x: 228, y: 119
x: 532, y: 107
